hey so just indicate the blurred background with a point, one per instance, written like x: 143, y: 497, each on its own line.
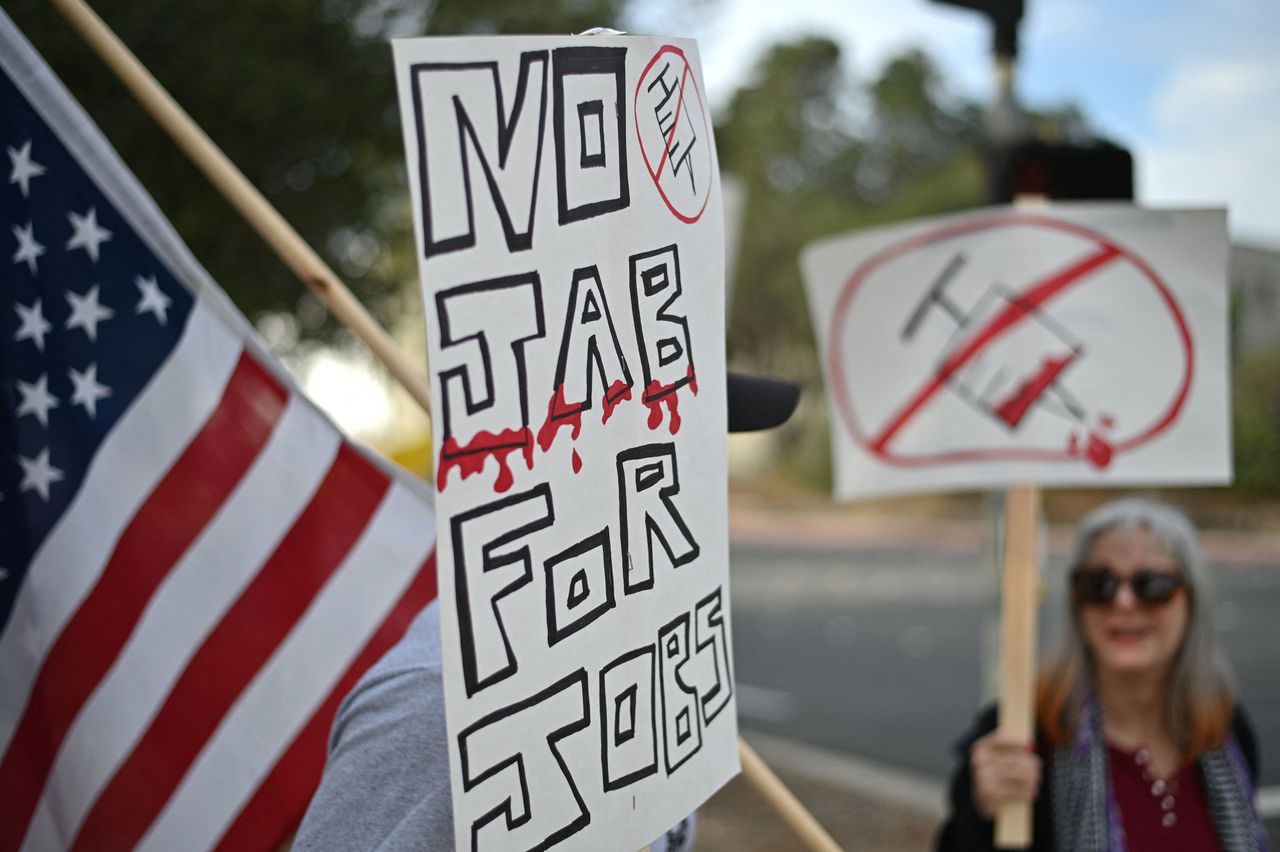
x: 863, y: 632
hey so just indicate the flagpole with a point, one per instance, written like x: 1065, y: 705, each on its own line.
x: 317, y: 275
x: 236, y: 188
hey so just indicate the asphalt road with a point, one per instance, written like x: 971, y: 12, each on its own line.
x: 878, y: 652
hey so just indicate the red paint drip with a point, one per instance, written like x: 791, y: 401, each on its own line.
x: 618, y: 392
x: 577, y: 461
x: 471, y: 458
x: 655, y: 409
x: 1016, y: 406
x: 654, y: 402
x: 1107, y: 421
x: 1099, y: 452
x: 558, y: 417
x: 693, y: 380
x: 1096, y: 449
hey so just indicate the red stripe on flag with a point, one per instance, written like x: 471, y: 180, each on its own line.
x: 175, y: 512
x: 277, y: 806
x: 235, y: 651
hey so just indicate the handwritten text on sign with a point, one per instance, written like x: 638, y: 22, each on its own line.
x: 1064, y: 345
x: 569, y: 225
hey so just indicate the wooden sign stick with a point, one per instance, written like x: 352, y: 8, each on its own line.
x: 1018, y: 645
x: 757, y: 773
x: 317, y: 275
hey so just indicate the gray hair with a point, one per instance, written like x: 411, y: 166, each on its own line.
x: 1200, y: 675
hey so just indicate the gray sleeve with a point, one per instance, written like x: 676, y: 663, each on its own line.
x: 386, y: 781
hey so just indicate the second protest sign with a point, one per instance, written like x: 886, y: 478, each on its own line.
x: 1071, y: 345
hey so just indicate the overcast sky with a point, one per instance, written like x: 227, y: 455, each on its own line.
x: 1191, y: 87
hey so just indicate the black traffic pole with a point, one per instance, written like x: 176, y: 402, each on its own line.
x: 1006, y: 125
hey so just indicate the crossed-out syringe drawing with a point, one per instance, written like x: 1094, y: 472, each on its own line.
x: 1004, y: 390
x: 1024, y: 345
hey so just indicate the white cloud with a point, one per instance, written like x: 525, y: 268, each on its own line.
x: 1214, y: 141
x: 1208, y: 92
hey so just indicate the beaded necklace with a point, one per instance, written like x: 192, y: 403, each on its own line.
x: 1163, y: 789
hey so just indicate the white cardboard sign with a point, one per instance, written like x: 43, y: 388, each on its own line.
x: 1055, y: 345
x: 570, y: 239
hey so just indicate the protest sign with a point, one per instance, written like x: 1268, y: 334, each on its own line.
x: 1065, y: 345
x: 569, y: 229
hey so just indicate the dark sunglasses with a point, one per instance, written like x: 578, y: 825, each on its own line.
x: 1100, y: 585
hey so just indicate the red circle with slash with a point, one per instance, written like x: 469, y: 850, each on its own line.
x: 687, y: 209
x: 1106, y: 251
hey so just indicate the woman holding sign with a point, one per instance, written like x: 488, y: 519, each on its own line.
x: 1140, y: 742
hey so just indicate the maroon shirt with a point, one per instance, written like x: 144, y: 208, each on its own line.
x: 1146, y: 801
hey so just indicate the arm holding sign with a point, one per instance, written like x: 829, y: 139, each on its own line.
x: 1004, y: 770
x: 386, y: 782
x: 990, y: 773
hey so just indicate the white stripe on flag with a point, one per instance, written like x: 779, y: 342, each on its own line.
x: 300, y: 675
x: 190, y: 603
x: 144, y: 444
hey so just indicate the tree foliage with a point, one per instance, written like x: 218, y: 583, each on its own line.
x: 821, y: 153
x: 1256, y: 422
x: 300, y: 94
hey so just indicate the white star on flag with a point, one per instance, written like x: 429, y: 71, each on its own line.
x: 38, y: 474
x: 34, y: 326
x: 88, y: 235
x: 24, y: 168
x: 28, y: 249
x: 153, y: 301
x: 87, y: 389
x: 87, y: 312
x: 36, y: 399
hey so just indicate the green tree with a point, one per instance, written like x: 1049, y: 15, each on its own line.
x: 923, y: 153
x: 1256, y: 422
x: 300, y: 94
x: 819, y: 154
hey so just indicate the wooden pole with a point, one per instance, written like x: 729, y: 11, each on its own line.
x: 1017, y: 645
x: 233, y: 185
x: 758, y: 774
x: 317, y: 275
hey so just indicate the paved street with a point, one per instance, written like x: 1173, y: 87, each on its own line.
x: 872, y: 644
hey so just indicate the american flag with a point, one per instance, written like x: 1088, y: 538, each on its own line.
x: 195, y: 567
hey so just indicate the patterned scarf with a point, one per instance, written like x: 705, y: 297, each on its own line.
x: 1085, y: 815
